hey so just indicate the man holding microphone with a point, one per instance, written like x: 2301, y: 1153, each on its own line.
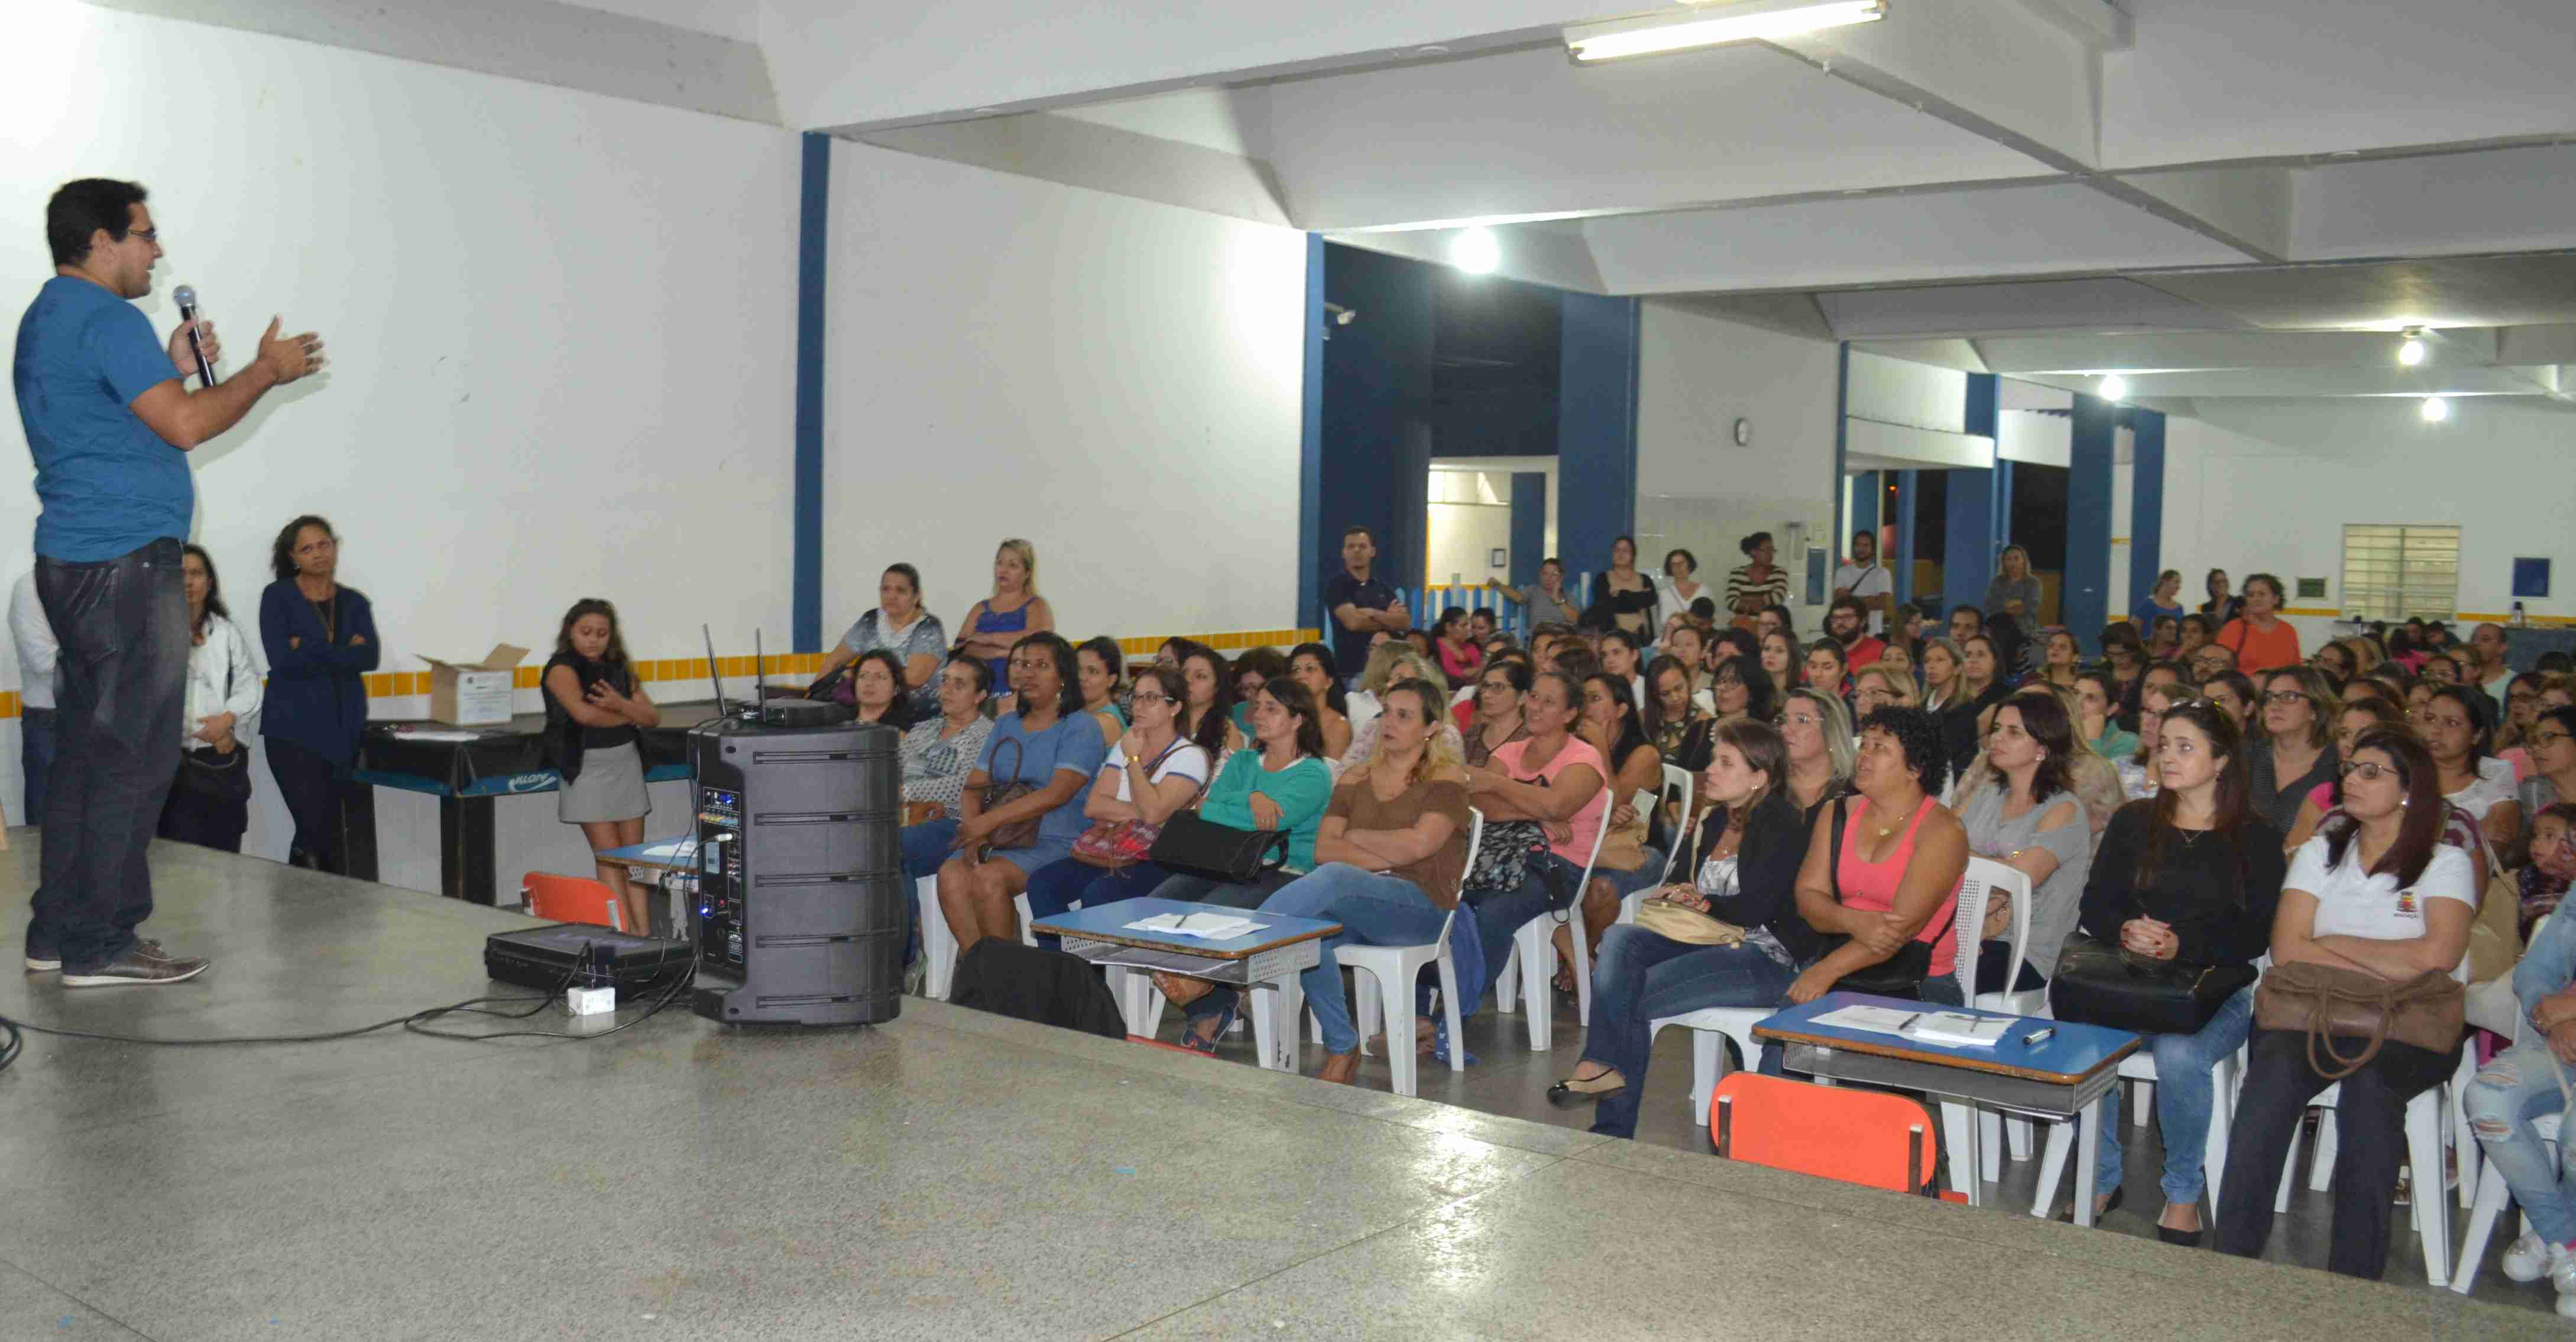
x: 108, y: 417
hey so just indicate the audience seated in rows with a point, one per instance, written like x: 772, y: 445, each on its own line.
x: 1628, y: 860
x: 2526, y: 1083
x: 900, y: 625
x: 938, y: 753
x: 2024, y: 813
x: 1545, y: 798
x: 1311, y: 665
x: 1495, y: 718
x: 2295, y: 752
x: 2097, y: 705
x: 1047, y: 749
x: 1102, y: 670
x: 1151, y: 774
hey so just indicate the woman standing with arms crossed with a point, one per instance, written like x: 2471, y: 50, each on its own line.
x: 320, y: 639
x: 594, y: 710
x: 993, y: 625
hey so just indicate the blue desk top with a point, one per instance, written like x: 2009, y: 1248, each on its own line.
x: 1109, y: 923
x: 2075, y: 1051
x: 674, y: 853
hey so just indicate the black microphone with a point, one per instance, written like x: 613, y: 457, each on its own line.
x: 186, y: 297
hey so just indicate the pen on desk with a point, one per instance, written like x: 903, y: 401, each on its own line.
x: 2038, y: 1037
x: 1184, y: 922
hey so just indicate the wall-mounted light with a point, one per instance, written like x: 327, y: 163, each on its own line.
x: 2413, y: 351
x: 2114, y: 387
x: 1708, y: 26
x: 2436, y: 409
x: 1476, y: 251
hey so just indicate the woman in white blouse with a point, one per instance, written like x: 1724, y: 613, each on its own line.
x: 209, y: 801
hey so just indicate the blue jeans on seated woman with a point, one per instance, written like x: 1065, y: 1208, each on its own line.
x: 1374, y: 909
x: 1058, y: 886
x: 926, y: 846
x: 1548, y: 888
x: 1640, y: 978
x: 2186, y: 1098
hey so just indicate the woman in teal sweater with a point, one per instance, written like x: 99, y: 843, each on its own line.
x: 1280, y: 783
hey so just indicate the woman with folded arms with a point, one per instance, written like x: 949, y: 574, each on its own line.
x: 1897, y: 872
x: 1393, y: 847
x: 2376, y: 891
x: 1497, y: 720
x: 1311, y: 665
x: 1046, y: 743
x: 320, y: 639
x: 595, y: 709
x: 2294, y: 754
x: 1102, y: 667
x: 2031, y: 819
x: 1279, y: 785
x: 1757, y: 582
x: 1152, y: 774
x: 2189, y: 878
x: 1557, y: 779
x: 1748, y: 855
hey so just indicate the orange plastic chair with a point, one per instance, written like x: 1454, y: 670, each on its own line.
x: 1834, y: 1132
x: 571, y: 899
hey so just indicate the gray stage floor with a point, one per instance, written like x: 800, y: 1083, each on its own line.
x: 952, y: 1175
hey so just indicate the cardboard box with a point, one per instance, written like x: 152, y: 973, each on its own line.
x: 477, y: 693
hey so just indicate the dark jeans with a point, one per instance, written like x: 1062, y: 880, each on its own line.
x: 310, y: 784
x: 2370, y: 1122
x: 1500, y: 913
x: 1641, y: 977
x: 36, y: 737
x: 120, y: 689
x: 1058, y: 886
x: 208, y: 822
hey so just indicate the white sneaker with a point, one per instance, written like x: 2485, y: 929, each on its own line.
x: 2562, y: 1274
x: 2527, y: 1259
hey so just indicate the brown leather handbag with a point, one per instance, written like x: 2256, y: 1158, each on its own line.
x: 1020, y: 833
x: 2325, y: 1003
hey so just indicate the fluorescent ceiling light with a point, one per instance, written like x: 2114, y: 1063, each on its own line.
x: 1755, y: 21
x: 1475, y: 251
x: 2115, y: 387
x: 2436, y: 409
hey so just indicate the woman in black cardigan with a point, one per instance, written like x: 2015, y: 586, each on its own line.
x: 1745, y: 873
x: 321, y: 641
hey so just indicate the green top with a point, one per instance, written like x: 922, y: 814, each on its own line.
x: 2116, y: 744
x: 1301, y: 790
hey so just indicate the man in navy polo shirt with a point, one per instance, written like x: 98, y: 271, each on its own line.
x: 1364, y: 610
x: 109, y: 418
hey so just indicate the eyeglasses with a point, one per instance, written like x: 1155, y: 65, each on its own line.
x: 2286, y: 697
x: 2547, y: 738
x: 150, y: 235
x: 1149, y: 699
x: 2369, y: 771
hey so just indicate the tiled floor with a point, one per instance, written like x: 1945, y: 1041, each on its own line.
x: 950, y: 1175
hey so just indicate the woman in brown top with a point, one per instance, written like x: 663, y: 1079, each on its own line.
x: 1392, y: 849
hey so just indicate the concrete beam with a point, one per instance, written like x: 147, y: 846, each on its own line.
x: 1536, y: 253
x: 1103, y: 158
x: 540, y: 41
x: 1993, y: 67
x: 2247, y: 208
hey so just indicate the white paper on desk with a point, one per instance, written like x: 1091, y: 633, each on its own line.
x: 1878, y: 1020
x: 1958, y: 1028
x: 1213, y: 927
x: 438, y: 736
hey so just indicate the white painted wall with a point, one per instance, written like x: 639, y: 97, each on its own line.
x: 1901, y: 391
x: 1464, y: 536
x: 1115, y: 380
x: 2268, y: 486
x: 1697, y: 374
x: 561, y: 328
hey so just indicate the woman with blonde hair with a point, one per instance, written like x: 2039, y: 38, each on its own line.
x: 1013, y: 611
x: 1878, y: 685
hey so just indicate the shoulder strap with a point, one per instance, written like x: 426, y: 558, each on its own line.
x: 1834, y: 857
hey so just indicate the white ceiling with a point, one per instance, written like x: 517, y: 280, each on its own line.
x: 1976, y: 174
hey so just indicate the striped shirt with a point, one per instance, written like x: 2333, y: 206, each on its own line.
x: 1774, y: 590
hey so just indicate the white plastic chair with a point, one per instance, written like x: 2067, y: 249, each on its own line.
x: 939, y: 944
x: 2431, y: 1208
x: 2015, y: 883
x: 2141, y: 1067
x: 1674, y: 777
x: 2491, y: 1197
x: 1394, y: 968
x: 1534, y: 954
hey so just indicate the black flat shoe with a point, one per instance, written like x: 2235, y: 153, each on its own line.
x: 2109, y: 1206
x: 1574, y: 1094
x: 2189, y: 1239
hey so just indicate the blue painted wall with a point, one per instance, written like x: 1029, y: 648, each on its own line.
x: 2084, y: 594
x: 1312, y: 550
x: 1596, y: 438
x: 813, y: 227
x: 1529, y: 526
x: 2146, y: 506
x: 1374, y: 410
x: 1900, y: 559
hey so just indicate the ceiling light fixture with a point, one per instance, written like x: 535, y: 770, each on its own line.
x: 1757, y: 20
x: 2436, y: 409
x: 2413, y: 351
x: 2114, y: 387
x: 1476, y: 251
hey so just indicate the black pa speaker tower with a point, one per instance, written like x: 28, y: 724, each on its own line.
x: 800, y: 888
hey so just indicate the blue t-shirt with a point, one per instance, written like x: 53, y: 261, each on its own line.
x: 1072, y: 743
x: 109, y: 484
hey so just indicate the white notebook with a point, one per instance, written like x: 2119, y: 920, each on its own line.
x: 1956, y: 1028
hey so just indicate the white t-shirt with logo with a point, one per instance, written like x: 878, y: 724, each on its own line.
x: 2354, y: 903
x: 1865, y: 582
x: 1188, y: 761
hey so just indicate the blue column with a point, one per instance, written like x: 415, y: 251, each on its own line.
x: 1974, y: 520
x: 1596, y: 428
x: 813, y: 227
x: 1310, y: 449
x: 1864, y: 511
x: 1375, y: 390
x: 1529, y: 526
x: 2146, y: 504
x: 2084, y: 595
x: 1901, y: 563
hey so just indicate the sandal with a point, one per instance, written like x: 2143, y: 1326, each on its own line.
x: 1197, y: 1040
x: 1179, y: 989
x: 1340, y: 1068
x: 1568, y: 1093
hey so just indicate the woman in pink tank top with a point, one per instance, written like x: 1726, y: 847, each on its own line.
x: 1901, y: 861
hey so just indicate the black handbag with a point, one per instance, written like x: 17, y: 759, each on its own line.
x: 1899, y: 975
x: 1191, y: 845
x: 215, y: 777
x: 2097, y: 984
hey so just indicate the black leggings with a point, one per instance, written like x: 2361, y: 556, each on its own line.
x: 2370, y: 1123
x: 310, y: 784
